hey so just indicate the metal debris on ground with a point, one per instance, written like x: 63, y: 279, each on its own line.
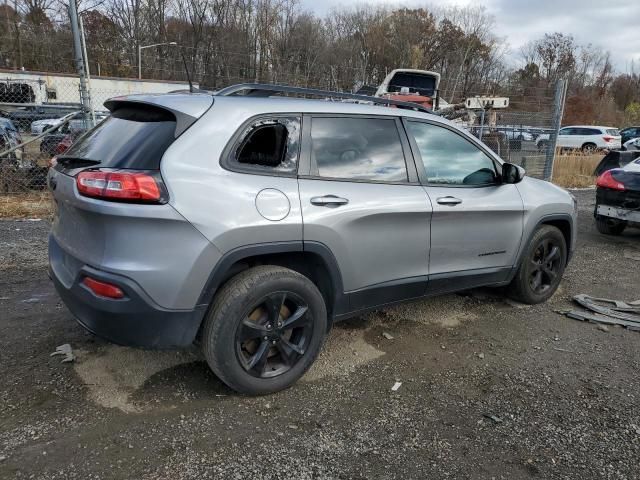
x: 495, y: 418
x: 607, y: 311
x: 66, y: 351
x: 388, y: 336
x: 396, y: 386
x: 631, y: 254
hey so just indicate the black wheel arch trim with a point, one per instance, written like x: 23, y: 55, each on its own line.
x: 543, y: 221
x: 222, y: 268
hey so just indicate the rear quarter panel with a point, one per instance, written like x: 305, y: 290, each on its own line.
x: 220, y: 203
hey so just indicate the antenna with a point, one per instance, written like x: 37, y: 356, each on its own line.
x: 184, y: 61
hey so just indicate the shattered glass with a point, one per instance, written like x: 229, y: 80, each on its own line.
x: 290, y: 159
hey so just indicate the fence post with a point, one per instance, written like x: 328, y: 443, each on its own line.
x: 79, y: 60
x: 558, y: 110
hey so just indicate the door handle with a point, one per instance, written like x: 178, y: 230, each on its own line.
x: 329, y: 201
x: 451, y: 201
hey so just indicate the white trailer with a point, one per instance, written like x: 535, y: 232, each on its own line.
x: 43, y: 87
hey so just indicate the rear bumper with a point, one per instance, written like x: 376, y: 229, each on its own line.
x: 135, y: 320
x: 619, y: 213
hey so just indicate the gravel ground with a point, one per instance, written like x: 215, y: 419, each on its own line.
x: 490, y: 389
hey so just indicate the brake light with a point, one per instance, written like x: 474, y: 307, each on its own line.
x: 123, y: 185
x: 606, y: 180
x: 607, y: 138
x: 103, y: 289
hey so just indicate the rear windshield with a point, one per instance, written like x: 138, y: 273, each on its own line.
x: 613, y: 131
x: 420, y: 83
x: 134, y: 136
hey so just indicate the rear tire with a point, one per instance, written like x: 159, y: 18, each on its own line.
x: 610, y: 226
x: 246, y: 339
x: 541, y: 267
x: 589, y: 148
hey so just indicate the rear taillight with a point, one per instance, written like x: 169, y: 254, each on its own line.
x: 606, y: 180
x: 122, y: 185
x: 103, y: 289
x: 62, y: 147
x: 607, y: 138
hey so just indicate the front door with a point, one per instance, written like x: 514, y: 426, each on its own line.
x: 361, y: 201
x: 477, y: 222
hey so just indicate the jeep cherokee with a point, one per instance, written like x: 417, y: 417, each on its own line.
x: 251, y: 223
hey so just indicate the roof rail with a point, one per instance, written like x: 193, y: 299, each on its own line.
x: 265, y: 90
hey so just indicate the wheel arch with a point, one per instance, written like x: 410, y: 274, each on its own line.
x: 312, y: 259
x: 562, y: 221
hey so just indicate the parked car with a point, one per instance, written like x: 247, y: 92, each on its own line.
x: 618, y: 198
x: 629, y: 133
x: 536, y: 132
x: 632, y: 144
x: 10, y: 127
x: 58, y: 138
x: 11, y: 139
x: 586, y: 138
x: 516, y: 133
x: 40, y: 126
x: 253, y: 224
x: 23, y: 117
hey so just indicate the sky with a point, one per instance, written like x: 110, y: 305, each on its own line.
x: 613, y: 25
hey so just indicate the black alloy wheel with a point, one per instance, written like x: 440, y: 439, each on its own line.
x: 545, y: 265
x: 541, y: 266
x: 274, y: 334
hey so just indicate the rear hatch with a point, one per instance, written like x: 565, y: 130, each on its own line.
x: 110, y: 197
x: 627, y: 192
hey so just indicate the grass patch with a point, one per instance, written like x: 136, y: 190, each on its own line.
x: 26, y: 205
x: 575, y: 170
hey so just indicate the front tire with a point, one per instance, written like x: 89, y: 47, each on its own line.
x: 610, y: 226
x: 265, y: 329
x: 541, y: 267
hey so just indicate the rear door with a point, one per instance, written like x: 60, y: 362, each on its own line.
x: 361, y: 200
x: 476, y: 225
x: 569, y: 138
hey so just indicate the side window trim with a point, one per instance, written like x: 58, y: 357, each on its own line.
x: 309, y: 170
x: 419, y: 163
x: 227, y: 159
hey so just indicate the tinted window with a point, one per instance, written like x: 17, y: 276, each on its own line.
x: 358, y: 148
x: 567, y: 131
x: 613, y: 131
x: 590, y: 131
x: 423, y: 84
x: 132, y: 137
x: 270, y: 144
x: 450, y: 159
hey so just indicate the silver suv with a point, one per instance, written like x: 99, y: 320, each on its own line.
x: 251, y: 223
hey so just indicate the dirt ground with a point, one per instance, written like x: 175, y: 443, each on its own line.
x: 490, y: 389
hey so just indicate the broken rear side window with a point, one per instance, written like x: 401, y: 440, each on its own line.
x: 270, y: 145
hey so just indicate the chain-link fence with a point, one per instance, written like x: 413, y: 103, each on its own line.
x: 524, y: 131
x: 41, y: 115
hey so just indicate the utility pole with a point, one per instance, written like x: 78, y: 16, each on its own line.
x: 79, y: 61
x: 86, y: 66
x: 558, y: 112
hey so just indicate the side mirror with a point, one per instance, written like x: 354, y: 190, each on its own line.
x: 512, y: 173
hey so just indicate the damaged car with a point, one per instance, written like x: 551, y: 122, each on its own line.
x: 618, y: 198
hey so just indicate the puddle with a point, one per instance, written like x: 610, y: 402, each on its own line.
x: 344, y: 350
x: 113, y: 373
x: 447, y: 311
